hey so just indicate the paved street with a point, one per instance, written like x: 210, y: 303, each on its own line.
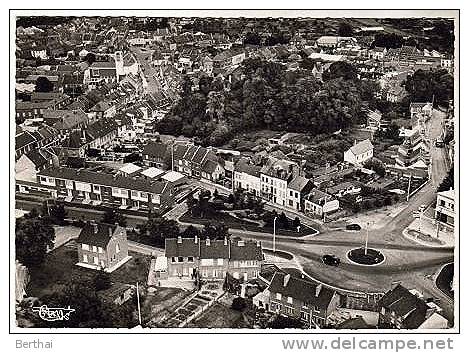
x: 143, y: 58
x: 439, y: 163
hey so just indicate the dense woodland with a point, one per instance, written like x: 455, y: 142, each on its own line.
x: 270, y: 97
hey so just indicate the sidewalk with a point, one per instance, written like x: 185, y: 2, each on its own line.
x: 427, y: 235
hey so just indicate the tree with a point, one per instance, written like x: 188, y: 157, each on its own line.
x: 102, y: 280
x: 238, y: 304
x: 91, y: 311
x: 388, y: 40
x: 90, y: 58
x: 112, y: 216
x: 58, y: 214
x: 43, y: 84
x: 340, y: 69
x: 432, y: 85
x: 190, y: 232
x: 157, y: 229
x: 215, y: 231
x: 33, y: 237
x: 252, y: 38
x: 448, y: 182
x: 345, y: 30
x: 376, y: 165
x: 285, y: 322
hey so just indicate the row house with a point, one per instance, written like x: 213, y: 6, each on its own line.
x: 228, y: 58
x: 198, y: 162
x: 302, y: 299
x: 409, y: 152
x: 26, y: 141
x: 319, y: 203
x: 297, y: 189
x: 90, y: 186
x: 276, y: 174
x: 247, y: 177
x: 155, y: 154
x: 213, y: 259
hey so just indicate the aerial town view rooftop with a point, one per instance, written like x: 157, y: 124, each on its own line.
x: 235, y: 172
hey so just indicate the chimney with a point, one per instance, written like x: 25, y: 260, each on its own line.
x: 225, y: 241
x: 196, y: 240
x: 286, y: 278
x: 318, y: 289
x: 207, y: 242
x: 179, y: 239
x: 354, y: 142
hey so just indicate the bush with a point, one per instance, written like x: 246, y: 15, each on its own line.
x: 239, y: 304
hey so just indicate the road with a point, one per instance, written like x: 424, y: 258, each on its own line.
x: 440, y: 165
x: 143, y: 57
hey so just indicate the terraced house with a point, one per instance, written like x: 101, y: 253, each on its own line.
x: 302, y: 299
x: 198, y: 162
x: 213, y: 259
x: 95, y: 187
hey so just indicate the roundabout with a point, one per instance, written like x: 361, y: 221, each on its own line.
x: 366, y: 256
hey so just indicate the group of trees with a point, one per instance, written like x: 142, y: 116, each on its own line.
x: 282, y: 221
x: 428, y: 86
x: 34, y: 236
x: 270, y: 96
x: 91, y: 310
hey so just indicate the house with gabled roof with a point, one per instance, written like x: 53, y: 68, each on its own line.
x: 300, y: 298
x: 213, y: 259
x: 198, y: 162
x: 401, y: 308
x: 297, y: 189
x: 359, y: 153
x: 102, y: 246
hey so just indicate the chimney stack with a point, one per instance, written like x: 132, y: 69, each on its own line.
x: 286, y: 278
x: 196, y: 240
x: 179, y: 239
x: 258, y: 243
x: 207, y: 241
x: 225, y: 241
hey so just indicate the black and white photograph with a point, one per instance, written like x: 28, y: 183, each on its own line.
x: 239, y: 171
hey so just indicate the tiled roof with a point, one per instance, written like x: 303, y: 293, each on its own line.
x: 301, y: 289
x: 406, y: 305
x: 99, y: 178
x: 243, y: 166
x: 155, y: 149
x: 361, y: 147
x: 249, y: 251
x: 299, y: 183
x: 101, y: 237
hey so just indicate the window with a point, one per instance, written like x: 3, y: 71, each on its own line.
x: 180, y: 259
x: 85, y: 258
x: 290, y: 300
x: 96, y: 188
x: 173, y: 259
x: 143, y: 195
x: 190, y: 259
x: 85, y: 247
x: 220, y: 262
x: 100, y: 250
x: 118, y: 248
x: 206, y: 262
x: 95, y: 249
x: 134, y: 193
x: 279, y: 296
x: 95, y: 260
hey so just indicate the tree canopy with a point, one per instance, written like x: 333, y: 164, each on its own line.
x: 33, y: 237
x: 43, y: 84
x: 424, y: 86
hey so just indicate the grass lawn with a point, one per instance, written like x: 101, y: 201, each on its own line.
x: 60, y: 269
x: 219, y: 316
x: 236, y: 223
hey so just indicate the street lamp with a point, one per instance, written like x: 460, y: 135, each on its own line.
x: 275, y: 220
x: 366, y: 239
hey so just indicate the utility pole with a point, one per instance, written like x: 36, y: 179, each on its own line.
x: 138, y: 307
x: 408, y: 188
x: 366, y: 239
x: 172, y: 156
x: 275, y: 220
x: 437, y: 228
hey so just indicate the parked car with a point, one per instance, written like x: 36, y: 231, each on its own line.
x: 353, y: 226
x: 331, y: 260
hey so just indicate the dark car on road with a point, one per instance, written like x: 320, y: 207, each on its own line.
x: 331, y: 260
x: 353, y: 226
